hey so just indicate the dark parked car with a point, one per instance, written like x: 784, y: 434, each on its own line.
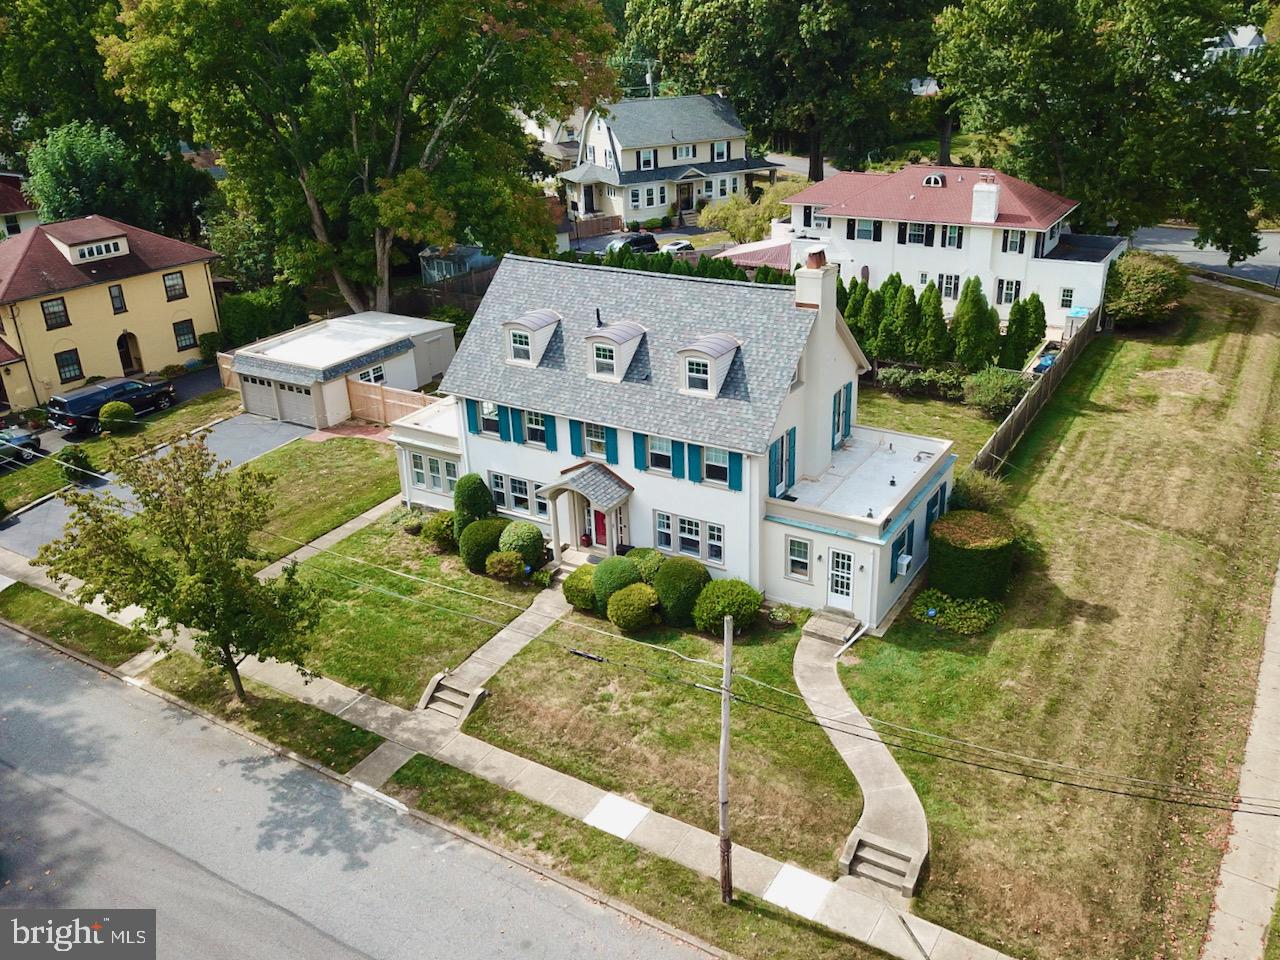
x: 636, y: 242
x: 78, y: 410
x: 18, y: 446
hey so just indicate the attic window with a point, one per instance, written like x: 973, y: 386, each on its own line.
x: 697, y: 375
x: 934, y: 180
x: 604, y: 360
x: 521, y: 349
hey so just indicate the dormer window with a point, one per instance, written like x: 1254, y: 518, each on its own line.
x: 605, y: 362
x: 697, y: 375
x: 521, y: 347
x: 934, y: 180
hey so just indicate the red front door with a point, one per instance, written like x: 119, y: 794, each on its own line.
x: 602, y: 535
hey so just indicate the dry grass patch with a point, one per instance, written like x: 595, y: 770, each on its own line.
x: 965, y: 426
x: 1131, y: 646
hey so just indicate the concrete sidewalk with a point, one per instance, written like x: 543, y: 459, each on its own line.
x: 334, y: 536
x: 1250, y: 874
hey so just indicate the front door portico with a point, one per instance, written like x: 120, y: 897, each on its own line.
x: 596, y: 506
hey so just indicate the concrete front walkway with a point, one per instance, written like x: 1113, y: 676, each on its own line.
x: 890, y: 843
x: 334, y: 536
x: 547, y: 607
x: 1250, y: 874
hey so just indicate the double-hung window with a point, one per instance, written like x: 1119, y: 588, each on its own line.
x: 648, y: 196
x: 684, y: 151
x: 540, y: 504
x: 1007, y: 291
x: 535, y: 427
x: 949, y: 284
x: 635, y: 197
x: 659, y: 453
x: 419, y: 470
x: 55, y: 313
x: 648, y: 159
x: 68, y: 364
x: 488, y: 417
x: 720, y: 150
x: 724, y: 186
x: 608, y: 159
x: 519, y: 494
x: 591, y: 154
x: 175, y: 288
x: 1067, y: 298
x: 915, y: 233
x: 605, y: 365
x: 498, y: 487
x: 450, y: 475
x: 697, y: 375
x: 117, y: 298
x: 184, y: 335
x: 951, y: 236
x: 715, y: 543
x: 521, y: 349
x: 715, y: 464
x: 662, y: 532
x: 690, y: 537
x: 1015, y: 241
x: 797, y: 559
x: 595, y: 436
x: 865, y: 230
x: 437, y: 481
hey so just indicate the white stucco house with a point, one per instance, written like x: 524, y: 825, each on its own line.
x: 947, y: 224
x: 646, y: 158
x: 709, y: 418
x: 301, y: 375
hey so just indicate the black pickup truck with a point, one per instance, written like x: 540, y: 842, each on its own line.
x: 77, y: 410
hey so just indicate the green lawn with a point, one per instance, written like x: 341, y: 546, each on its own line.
x: 750, y: 928
x: 20, y: 485
x: 712, y: 239
x: 963, y: 146
x: 390, y: 643
x: 1149, y: 483
x: 793, y: 797
x: 276, y: 716
x: 69, y: 624
x: 320, y: 486
x: 968, y: 428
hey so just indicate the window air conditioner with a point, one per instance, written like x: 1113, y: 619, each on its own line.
x: 904, y: 563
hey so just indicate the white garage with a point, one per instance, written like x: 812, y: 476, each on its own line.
x: 301, y: 376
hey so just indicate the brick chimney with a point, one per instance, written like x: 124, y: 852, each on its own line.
x: 986, y: 199
x: 816, y: 283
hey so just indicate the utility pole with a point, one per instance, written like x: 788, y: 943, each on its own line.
x: 726, y: 845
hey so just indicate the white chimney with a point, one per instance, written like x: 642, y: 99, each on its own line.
x: 986, y: 199
x: 816, y: 283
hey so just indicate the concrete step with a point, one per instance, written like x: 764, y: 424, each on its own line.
x: 882, y: 860
x: 832, y: 628
x: 869, y: 841
x: 448, y: 709
x: 451, y: 697
x: 449, y: 685
x: 889, y: 878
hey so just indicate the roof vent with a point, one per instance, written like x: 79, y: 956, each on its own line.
x: 817, y: 258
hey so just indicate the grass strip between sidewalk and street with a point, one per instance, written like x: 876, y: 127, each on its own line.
x: 69, y: 624
x: 750, y: 928
x: 289, y: 723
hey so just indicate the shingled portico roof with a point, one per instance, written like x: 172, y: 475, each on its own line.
x: 675, y: 312
x: 603, y: 488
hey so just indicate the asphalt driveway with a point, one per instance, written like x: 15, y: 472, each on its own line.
x: 1180, y: 242
x: 237, y: 440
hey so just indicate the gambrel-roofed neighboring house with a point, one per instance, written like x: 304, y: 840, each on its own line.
x: 644, y: 158
x: 706, y: 418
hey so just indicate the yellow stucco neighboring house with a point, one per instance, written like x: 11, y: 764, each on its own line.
x: 96, y: 297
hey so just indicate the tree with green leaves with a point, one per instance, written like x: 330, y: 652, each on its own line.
x: 178, y: 551
x: 746, y: 221
x: 842, y: 295
x: 869, y: 320
x: 853, y: 309
x: 933, y: 344
x: 1037, y: 327
x: 82, y: 168
x: 975, y: 328
x: 906, y: 315
x: 820, y: 67
x: 1117, y: 106
x: 353, y: 124
x: 1014, y: 344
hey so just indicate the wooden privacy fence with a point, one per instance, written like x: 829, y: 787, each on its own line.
x: 379, y: 403
x: 593, y: 227
x: 995, y: 450
x: 224, y: 371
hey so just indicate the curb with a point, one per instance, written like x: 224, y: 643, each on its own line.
x: 574, y: 886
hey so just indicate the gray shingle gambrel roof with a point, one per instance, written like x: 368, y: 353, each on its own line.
x: 676, y: 312
x: 653, y: 121
x: 603, y: 488
x: 594, y: 173
x: 300, y: 375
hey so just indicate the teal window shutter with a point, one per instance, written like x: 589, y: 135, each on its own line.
x: 735, y: 471
x: 677, y: 459
x: 695, y: 463
x: 893, y: 557
x: 848, y: 409
x: 910, y: 547
x: 637, y: 444
x: 610, y: 445
x: 930, y: 513
x: 791, y: 458
x: 575, y: 438
x: 835, y: 420
x: 473, y: 417
x: 774, y: 465
x: 942, y: 499
x: 504, y: 423
x: 551, y: 432
x: 517, y: 425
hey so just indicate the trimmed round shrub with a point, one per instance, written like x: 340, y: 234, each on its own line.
x: 471, y: 501
x: 726, y: 598
x: 965, y: 617
x: 117, y: 417
x: 439, y: 531
x: 612, y: 574
x: 479, y: 540
x: 525, y: 538
x: 506, y: 565
x: 634, y: 608
x: 971, y: 554
x: 75, y: 464
x: 579, y: 588
x: 678, y: 582
x: 647, y: 561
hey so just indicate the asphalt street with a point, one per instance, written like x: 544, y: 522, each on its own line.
x: 112, y: 798
x: 1180, y: 243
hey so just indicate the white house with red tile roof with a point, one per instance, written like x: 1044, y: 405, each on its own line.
x: 947, y: 224
x: 17, y: 213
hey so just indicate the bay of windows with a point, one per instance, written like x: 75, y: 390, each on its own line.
x: 517, y: 493
x: 694, y: 538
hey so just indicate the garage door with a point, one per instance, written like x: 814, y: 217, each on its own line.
x: 258, y: 396
x: 296, y: 405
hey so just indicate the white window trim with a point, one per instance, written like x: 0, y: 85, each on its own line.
x: 684, y: 151
x: 689, y: 376
x: 821, y: 223
x: 648, y: 158
x: 786, y: 570
x: 505, y: 482
x: 497, y: 429
x: 706, y: 462
x: 857, y: 229
x: 597, y: 359
x: 375, y: 374
x: 524, y: 416
x: 649, y: 451
x: 418, y: 470
x: 719, y: 151
x: 911, y: 234
x: 527, y: 346
x: 674, y: 531
x: 951, y: 236
x: 588, y: 440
